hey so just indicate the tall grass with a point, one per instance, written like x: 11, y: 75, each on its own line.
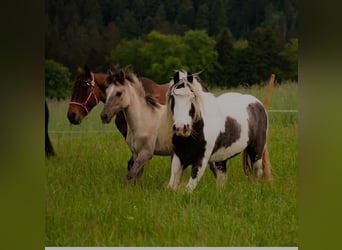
x: 88, y: 203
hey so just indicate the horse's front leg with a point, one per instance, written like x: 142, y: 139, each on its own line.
x: 130, y: 163
x: 137, y: 168
x: 176, y: 172
x: 197, y: 173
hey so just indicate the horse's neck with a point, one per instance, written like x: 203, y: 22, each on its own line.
x: 137, y: 110
x: 210, y: 108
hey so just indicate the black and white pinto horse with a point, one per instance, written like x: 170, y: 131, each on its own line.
x: 209, y: 129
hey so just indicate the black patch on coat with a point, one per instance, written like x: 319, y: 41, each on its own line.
x: 172, y: 102
x: 257, y: 124
x: 192, y: 111
x: 231, y: 134
x: 190, y: 150
x: 221, y: 165
x: 176, y: 77
x: 190, y: 77
x: 180, y: 86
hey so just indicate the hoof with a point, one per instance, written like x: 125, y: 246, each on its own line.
x: 129, y: 176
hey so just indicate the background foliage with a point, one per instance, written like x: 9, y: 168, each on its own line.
x: 57, y: 80
x: 233, y: 42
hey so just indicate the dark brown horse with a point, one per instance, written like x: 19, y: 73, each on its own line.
x: 49, y: 151
x: 90, y: 89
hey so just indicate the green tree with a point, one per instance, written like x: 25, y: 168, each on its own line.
x: 163, y: 54
x: 57, y: 80
x: 202, y: 17
x: 201, y: 54
x: 217, y: 17
x: 263, y: 54
x: 127, y: 52
x: 186, y: 14
x: 226, y: 58
x: 288, y: 68
x: 195, y: 51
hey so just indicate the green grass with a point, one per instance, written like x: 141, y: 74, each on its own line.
x: 88, y: 203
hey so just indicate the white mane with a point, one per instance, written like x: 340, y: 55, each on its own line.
x: 192, y: 89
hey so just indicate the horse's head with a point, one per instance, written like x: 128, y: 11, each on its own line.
x: 85, y: 96
x: 117, y: 94
x: 183, y: 102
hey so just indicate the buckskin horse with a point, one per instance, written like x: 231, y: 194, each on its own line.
x: 147, y: 133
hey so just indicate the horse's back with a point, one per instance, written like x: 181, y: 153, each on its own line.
x: 244, y: 122
x: 157, y: 90
x: 237, y: 99
x: 236, y: 104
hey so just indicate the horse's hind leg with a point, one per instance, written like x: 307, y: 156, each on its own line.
x: 258, y: 170
x: 266, y: 166
x: 255, y: 156
x: 220, y: 171
x: 260, y: 163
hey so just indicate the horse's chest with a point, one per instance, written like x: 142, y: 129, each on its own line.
x: 190, y: 150
x: 137, y: 141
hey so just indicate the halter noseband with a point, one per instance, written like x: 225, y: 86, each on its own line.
x: 91, y: 93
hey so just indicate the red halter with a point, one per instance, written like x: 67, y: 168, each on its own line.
x: 91, y: 93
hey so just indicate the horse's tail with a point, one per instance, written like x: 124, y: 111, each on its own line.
x: 266, y: 166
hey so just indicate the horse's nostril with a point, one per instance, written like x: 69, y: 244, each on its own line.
x: 72, y: 118
x: 174, y: 127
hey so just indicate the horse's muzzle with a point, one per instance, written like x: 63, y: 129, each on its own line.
x: 105, y: 118
x: 74, y: 118
x: 182, y: 130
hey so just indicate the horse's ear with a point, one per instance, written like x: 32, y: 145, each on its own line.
x: 190, y: 77
x: 121, y: 78
x: 109, y: 72
x: 87, y: 71
x: 79, y: 71
x: 176, y: 77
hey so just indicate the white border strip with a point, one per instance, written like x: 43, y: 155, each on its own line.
x: 80, y: 132
x: 172, y: 248
x: 283, y: 111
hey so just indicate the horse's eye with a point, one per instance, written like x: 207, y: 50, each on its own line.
x: 118, y: 94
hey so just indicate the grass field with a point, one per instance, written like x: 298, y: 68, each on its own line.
x: 87, y: 203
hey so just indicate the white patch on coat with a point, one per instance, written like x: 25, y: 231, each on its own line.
x: 109, y: 91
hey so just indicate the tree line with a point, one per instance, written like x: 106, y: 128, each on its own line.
x: 232, y: 42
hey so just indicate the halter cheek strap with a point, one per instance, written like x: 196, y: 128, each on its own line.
x: 91, y: 93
